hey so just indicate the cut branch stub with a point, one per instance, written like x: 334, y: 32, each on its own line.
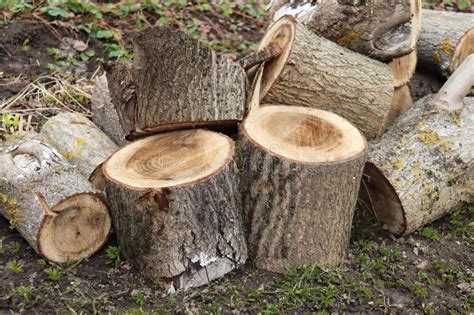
x: 423, y: 166
x: 176, y: 206
x: 54, y: 208
x: 301, y: 175
x: 315, y: 72
x: 176, y: 82
x: 446, y: 39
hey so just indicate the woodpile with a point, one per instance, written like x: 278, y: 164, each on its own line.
x: 207, y: 163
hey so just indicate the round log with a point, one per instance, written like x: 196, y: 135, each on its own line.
x: 104, y: 114
x: 176, y: 82
x: 402, y: 100
x: 176, y: 206
x: 302, y: 169
x: 53, y: 207
x: 403, y: 68
x: 423, y: 167
x: 446, y: 39
x: 383, y: 30
x: 315, y: 72
x: 81, y: 142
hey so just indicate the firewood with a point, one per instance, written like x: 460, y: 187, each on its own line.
x: 403, y: 68
x: 425, y: 82
x: 402, y: 101
x: 446, y: 39
x: 383, y: 30
x: 423, y: 167
x: 300, y: 178
x: 81, y: 142
x: 53, y: 207
x: 315, y: 72
x: 104, y: 114
x: 176, y: 205
x: 271, y: 51
x: 175, y: 82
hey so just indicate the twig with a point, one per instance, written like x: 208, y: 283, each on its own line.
x: 271, y: 51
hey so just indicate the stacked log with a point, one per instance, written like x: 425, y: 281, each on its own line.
x: 53, y: 207
x: 423, y: 167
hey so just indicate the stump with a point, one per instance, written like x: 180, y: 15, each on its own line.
x: 53, y: 207
x: 446, y: 39
x: 175, y: 82
x: 315, y: 72
x: 81, y: 142
x: 403, y: 68
x: 402, y: 101
x: 176, y: 206
x: 423, y: 167
x: 104, y: 114
x: 380, y: 29
x: 301, y: 175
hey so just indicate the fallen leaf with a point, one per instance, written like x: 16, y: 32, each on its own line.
x: 79, y: 45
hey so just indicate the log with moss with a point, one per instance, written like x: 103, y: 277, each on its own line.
x: 423, y: 166
x: 175, y: 82
x: 53, y: 207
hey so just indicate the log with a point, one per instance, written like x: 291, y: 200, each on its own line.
x: 315, y: 72
x: 383, y: 30
x: 104, y: 114
x: 446, y: 39
x: 52, y: 206
x: 403, y: 68
x: 81, y: 142
x: 300, y: 179
x: 402, y: 101
x: 176, y: 206
x: 175, y: 82
x: 425, y: 82
x: 423, y: 167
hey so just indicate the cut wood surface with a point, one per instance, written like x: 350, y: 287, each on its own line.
x: 315, y: 72
x: 403, y: 68
x: 176, y: 208
x: 301, y: 173
x: 104, y: 114
x: 446, y: 39
x: 175, y: 82
x: 402, y: 100
x: 81, y: 142
x: 423, y: 166
x: 52, y: 206
x: 380, y: 29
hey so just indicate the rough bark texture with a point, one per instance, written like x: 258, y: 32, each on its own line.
x: 297, y: 213
x: 380, y: 29
x: 80, y: 141
x: 183, y: 236
x: 176, y: 82
x: 424, y: 83
x: 402, y: 101
x: 104, y: 114
x: 427, y: 163
x: 323, y: 75
x: 446, y: 39
x: 34, y: 180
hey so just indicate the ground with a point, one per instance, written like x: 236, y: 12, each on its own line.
x: 50, y: 53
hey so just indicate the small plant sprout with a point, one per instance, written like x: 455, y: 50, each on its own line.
x: 15, y: 266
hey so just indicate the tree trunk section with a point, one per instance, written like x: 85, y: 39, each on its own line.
x: 402, y: 101
x: 423, y: 167
x: 187, y: 233
x: 104, y: 114
x: 53, y: 207
x: 446, y: 39
x: 176, y: 82
x: 403, y: 68
x: 81, y: 142
x: 315, y: 72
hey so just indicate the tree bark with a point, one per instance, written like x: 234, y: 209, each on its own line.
x: 423, y: 167
x: 315, y: 72
x: 179, y: 230
x: 175, y: 82
x: 301, y: 170
x: 81, y: 142
x: 53, y: 207
x: 401, y: 102
x: 104, y: 114
x: 446, y: 39
x: 379, y: 29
